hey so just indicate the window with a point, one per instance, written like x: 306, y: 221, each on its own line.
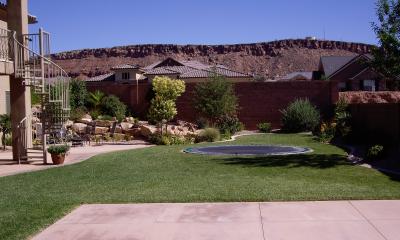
x: 8, y: 102
x: 369, y: 85
x: 125, y: 76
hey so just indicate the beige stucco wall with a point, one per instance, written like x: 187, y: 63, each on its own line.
x: 133, y: 74
x: 4, y: 87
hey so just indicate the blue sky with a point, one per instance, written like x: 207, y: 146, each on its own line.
x: 78, y: 24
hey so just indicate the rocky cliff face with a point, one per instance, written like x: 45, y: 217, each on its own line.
x: 271, y: 59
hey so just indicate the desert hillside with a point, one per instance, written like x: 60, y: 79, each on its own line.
x: 271, y: 59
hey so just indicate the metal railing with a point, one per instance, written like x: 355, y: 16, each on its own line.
x: 5, y: 45
x: 32, y: 63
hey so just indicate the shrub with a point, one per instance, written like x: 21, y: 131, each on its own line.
x: 78, y: 93
x: 8, y: 140
x: 95, y: 114
x: 326, y: 132
x: 105, y: 118
x: 215, y: 98
x: 5, y: 128
x: 77, y: 113
x: 167, y: 139
x: 229, y: 125
x: 300, y: 116
x: 208, y: 135
x: 264, y: 127
x: 202, y: 123
x: 375, y: 152
x: 111, y: 105
x: 58, y: 149
x: 342, y: 118
x: 95, y: 99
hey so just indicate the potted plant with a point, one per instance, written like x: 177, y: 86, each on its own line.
x: 58, y: 153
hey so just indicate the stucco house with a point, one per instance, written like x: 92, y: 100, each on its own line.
x: 188, y: 71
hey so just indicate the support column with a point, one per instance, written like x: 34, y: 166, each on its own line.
x: 20, y: 96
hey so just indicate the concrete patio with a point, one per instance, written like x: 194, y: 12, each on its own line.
x: 363, y: 220
x: 75, y: 155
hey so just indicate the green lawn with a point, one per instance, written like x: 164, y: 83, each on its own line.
x: 29, y: 202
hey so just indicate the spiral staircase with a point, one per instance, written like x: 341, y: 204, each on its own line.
x: 50, y: 83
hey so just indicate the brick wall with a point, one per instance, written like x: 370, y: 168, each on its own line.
x: 376, y: 122
x: 258, y: 102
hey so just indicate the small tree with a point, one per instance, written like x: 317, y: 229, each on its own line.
x: 163, y: 106
x: 78, y: 94
x: 387, y: 55
x: 215, y: 98
x: 5, y: 128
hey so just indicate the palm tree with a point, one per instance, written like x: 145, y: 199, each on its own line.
x: 5, y: 128
x: 95, y: 99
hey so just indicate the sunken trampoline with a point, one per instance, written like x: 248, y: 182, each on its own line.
x: 249, y: 150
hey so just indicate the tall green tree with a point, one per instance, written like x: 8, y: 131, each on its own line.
x: 163, y: 105
x: 387, y: 29
x: 215, y: 98
x: 78, y: 93
x: 5, y: 128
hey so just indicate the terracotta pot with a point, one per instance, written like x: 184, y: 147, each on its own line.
x: 58, y: 158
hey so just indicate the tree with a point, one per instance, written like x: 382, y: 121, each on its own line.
x: 95, y: 99
x: 387, y: 55
x: 162, y: 109
x: 5, y: 128
x: 78, y: 94
x: 215, y: 98
x: 163, y: 105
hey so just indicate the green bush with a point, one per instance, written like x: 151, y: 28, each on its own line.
x: 300, y: 116
x: 202, y: 123
x: 375, y: 152
x: 209, y: 135
x: 229, y: 125
x: 77, y: 113
x: 342, y: 118
x: 326, y: 132
x: 58, y: 149
x: 167, y: 139
x: 264, y: 127
x: 105, y: 118
x: 111, y: 105
x: 8, y: 140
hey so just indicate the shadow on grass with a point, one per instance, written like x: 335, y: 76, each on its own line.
x: 321, y: 161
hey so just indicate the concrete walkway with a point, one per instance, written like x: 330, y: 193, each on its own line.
x: 75, y: 155
x: 355, y: 220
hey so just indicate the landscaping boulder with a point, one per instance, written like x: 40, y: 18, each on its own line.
x: 147, y: 130
x: 135, y: 132
x: 101, y: 130
x: 104, y: 123
x: 118, y: 129
x: 126, y: 126
x: 86, y: 119
x: 79, y: 127
x: 69, y: 124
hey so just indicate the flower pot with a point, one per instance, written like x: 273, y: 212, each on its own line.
x: 58, y: 159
